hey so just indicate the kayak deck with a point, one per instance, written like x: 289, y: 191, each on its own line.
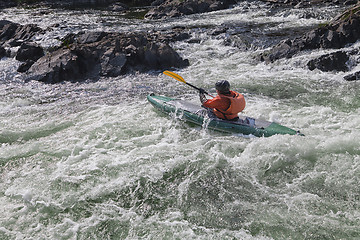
x: 204, y: 117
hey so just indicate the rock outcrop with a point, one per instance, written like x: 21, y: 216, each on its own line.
x: 306, y: 3
x: 73, y: 3
x: 28, y: 53
x: 330, y: 62
x: 13, y: 34
x: 113, y: 4
x: 90, y: 55
x: 341, y: 31
x: 177, y: 8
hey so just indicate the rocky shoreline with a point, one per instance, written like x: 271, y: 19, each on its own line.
x: 92, y: 55
x: 339, y: 33
x: 96, y: 54
x: 180, y: 6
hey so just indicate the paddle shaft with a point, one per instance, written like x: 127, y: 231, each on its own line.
x: 198, y: 89
x: 181, y: 79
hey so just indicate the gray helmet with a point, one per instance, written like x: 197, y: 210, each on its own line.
x: 222, y: 86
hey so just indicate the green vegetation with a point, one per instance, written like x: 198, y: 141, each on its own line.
x: 138, y: 14
x: 66, y: 43
x: 323, y: 25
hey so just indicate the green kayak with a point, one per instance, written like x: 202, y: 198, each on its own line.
x: 203, y: 117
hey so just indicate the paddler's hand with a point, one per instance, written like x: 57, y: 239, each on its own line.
x: 201, y: 91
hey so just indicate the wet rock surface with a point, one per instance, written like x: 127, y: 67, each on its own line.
x: 29, y: 51
x: 177, y: 8
x: 330, y: 62
x: 90, y: 54
x: 339, y: 33
x: 343, y: 30
x: 13, y: 34
x: 353, y: 77
x: 95, y: 54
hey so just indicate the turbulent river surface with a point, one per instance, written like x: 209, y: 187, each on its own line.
x: 93, y: 160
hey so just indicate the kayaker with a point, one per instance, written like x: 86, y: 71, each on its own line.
x: 227, y: 104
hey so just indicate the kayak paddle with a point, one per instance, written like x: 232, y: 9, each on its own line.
x: 181, y: 79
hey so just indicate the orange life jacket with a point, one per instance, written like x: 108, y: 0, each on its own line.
x: 237, y: 104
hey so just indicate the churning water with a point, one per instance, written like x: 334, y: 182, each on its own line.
x: 93, y: 160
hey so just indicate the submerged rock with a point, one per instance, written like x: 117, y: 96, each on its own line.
x: 353, y: 77
x: 176, y: 8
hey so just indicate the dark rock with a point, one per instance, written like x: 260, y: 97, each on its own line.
x: 112, y: 66
x: 353, y: 77
x: 162, y: 56
x: 90, y: 55
x: 2, y: 52
x: 112, y: 4
x: 7, y: 4
x: 138, y: 3
x: 238, y: 41
x: 118, y: 7
x: 25, y: 66
x: 330, y: 62
x: 171, y: 8
x: 218, y: 31
x: 350, y: 2
x: 81, y: 3
x: 90, y: 37
x: 157, y: 2
x: 343, y: 30
x: 307, y: 3
x: 331, y: 40
x: 13, y: 34
x: 61, y: 65
x: 29, y: 51
x: 194, y: 40
x: 7, y: 30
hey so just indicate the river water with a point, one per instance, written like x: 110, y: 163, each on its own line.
x: 93, y: 160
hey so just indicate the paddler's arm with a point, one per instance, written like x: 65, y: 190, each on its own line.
x: 202, y: 96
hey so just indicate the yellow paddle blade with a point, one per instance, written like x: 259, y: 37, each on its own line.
x: 174, y: 75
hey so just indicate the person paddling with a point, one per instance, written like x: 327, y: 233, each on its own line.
x: 227, y: 104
